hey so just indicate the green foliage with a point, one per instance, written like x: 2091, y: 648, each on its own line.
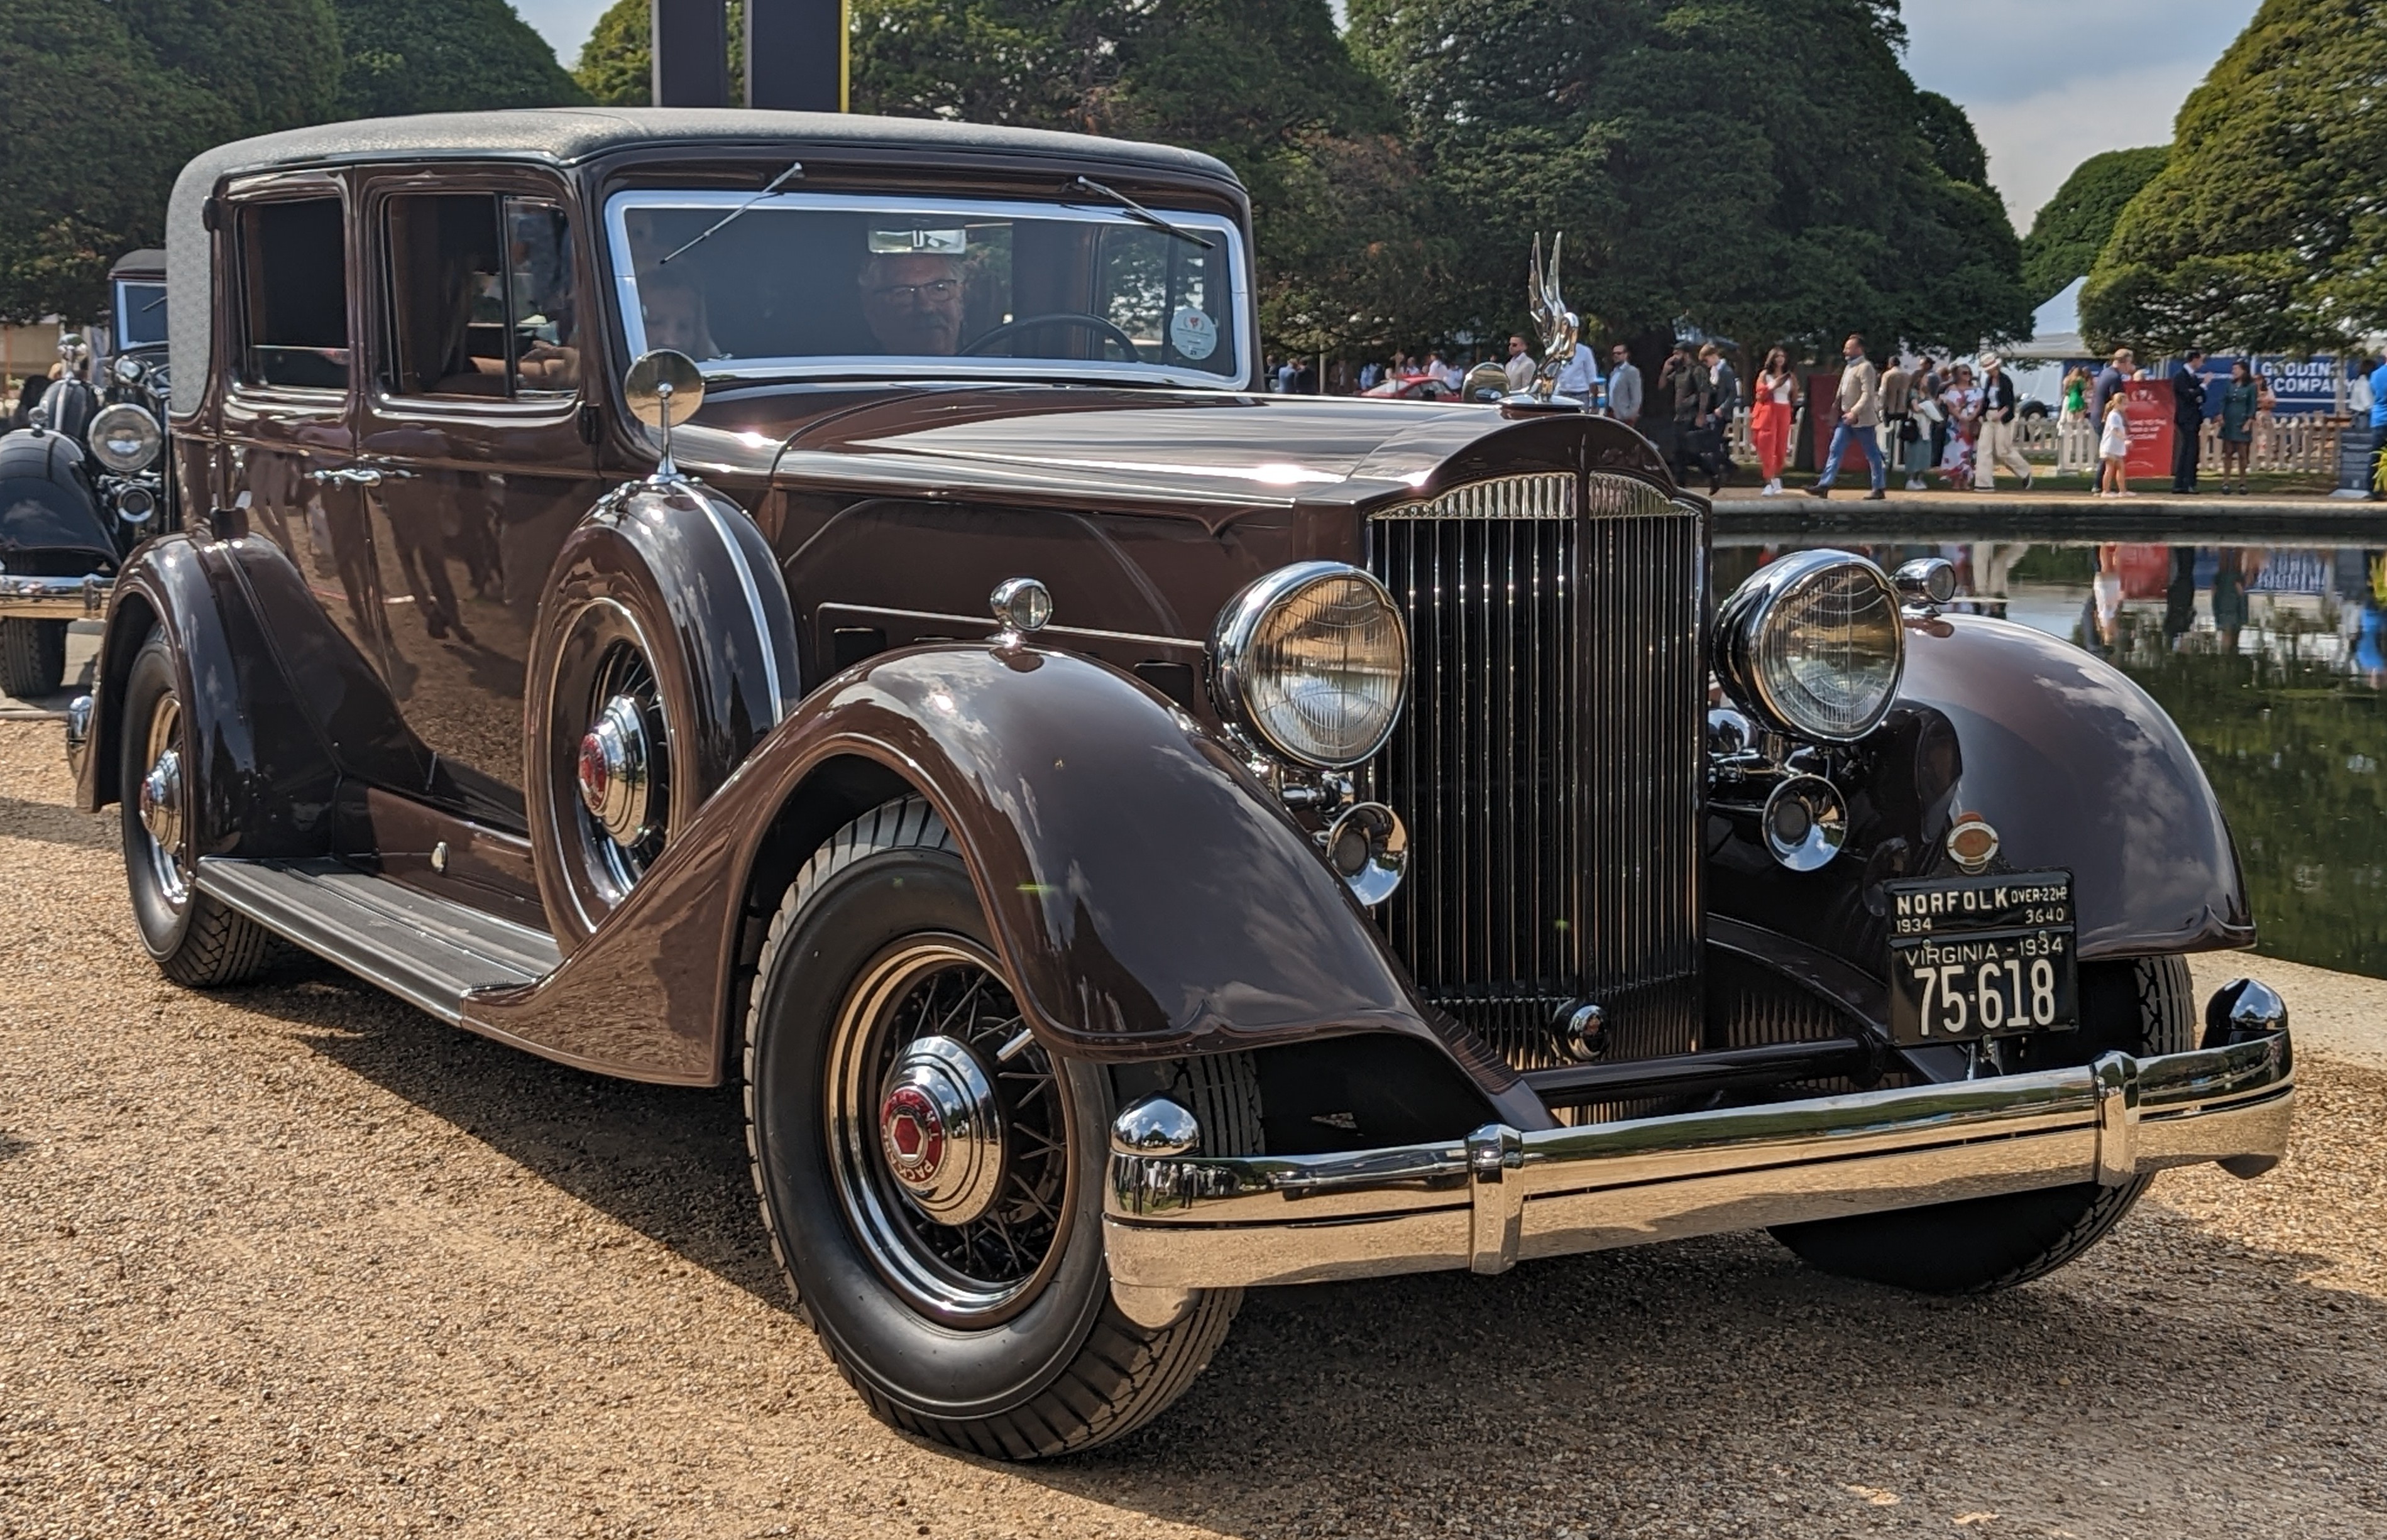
x: 1759, y: 169
x: 1949, y: 135
x: 444, y: 56
x: 2265, y: 228
x: 2077, y: 222
x: 616, y: 65
x: 101, y: 104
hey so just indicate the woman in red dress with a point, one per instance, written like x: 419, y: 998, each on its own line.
x: 1770, y: 404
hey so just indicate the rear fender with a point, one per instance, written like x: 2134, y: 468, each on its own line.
x: 266, y: 780
x: 1149, y: 898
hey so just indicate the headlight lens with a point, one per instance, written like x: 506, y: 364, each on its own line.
x: 124, y: 437
x: 1314, y: 660
x: 1815, y: 643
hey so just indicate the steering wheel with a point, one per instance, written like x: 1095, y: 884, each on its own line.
x: 1082, y: 320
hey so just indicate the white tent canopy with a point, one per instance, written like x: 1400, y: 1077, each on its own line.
x: 2055, y: 329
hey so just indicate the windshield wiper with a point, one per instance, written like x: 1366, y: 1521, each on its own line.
x: 795, y: 169
x: 1137, y: 211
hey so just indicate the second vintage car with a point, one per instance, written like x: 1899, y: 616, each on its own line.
x: 823, y: 603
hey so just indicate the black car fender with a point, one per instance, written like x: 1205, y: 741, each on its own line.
x: 50, y: 520
x: 265, y: 777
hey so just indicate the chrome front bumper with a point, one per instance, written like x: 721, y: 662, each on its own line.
x: 27, y: 597
x: 1175, y: 1223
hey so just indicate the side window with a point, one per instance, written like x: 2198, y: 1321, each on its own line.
x: 481, y: 297
x: 295, y: 293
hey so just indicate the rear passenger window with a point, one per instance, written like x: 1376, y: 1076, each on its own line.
x: 481, y: 297
x: 295, y: 293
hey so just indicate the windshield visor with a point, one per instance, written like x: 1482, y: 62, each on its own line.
x: 817, y: 283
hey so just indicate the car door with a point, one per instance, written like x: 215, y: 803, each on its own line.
x: 470, y: 433
x: 285, y: 466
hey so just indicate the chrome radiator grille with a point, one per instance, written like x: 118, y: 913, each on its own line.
x: 1549, y: 765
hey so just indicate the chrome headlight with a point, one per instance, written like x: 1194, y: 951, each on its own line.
x: 1815, y: 643
x: 125, y: 437
x: 1314, y: 660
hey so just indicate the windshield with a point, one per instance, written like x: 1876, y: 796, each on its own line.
x: 806, y: 283
x: 139, y: 314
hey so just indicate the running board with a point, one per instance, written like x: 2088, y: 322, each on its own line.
x: 429, y: 951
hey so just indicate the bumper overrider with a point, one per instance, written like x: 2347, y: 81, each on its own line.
x: 24, y: 597
x: 1174, y: 1222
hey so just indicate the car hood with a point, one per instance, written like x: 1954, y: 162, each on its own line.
x: 1195, y: 450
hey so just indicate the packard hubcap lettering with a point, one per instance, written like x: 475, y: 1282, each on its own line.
x: 941, y: 1129
x: 613, y: 771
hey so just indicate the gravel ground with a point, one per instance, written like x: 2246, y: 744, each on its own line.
x: 296, y: 1259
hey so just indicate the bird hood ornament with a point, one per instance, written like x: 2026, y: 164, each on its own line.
x: 1559, y: 326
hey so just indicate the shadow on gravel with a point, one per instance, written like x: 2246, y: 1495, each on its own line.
x: 667, y: 1161
x: 53, y: 825
x: 1707, y: 1376
x: 1713, y: 1381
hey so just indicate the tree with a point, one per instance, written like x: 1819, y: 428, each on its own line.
x: 1759, y: 171
x: 101, y: 104
x: 2075, y: 223
x: 2265, y: 230
x: 616, y: 65
x: 444, y: 56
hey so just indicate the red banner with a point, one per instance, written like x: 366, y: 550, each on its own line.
x: 2147, y: 408
x: 1824, y: 415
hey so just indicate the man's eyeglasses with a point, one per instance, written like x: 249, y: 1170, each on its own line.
x: 936, y: 292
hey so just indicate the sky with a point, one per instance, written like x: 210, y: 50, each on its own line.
x: 2048, y: 82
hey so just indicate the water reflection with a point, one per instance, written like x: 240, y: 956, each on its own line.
x: 2272, y: 659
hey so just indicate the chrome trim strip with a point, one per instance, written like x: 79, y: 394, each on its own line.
x: 753, y: 592
x: 24, y: 597
x: 1498, y: 1195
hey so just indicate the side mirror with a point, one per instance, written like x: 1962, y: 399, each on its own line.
x: 1487, y: 382
x: 661, y: 387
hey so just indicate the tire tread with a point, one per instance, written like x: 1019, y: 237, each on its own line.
x: 1123, y: 1374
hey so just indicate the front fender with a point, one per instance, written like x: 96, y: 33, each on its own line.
x: 2071, y: 762
x: 50, y: 520
x: 1149, y: 898
x: 266, y: 783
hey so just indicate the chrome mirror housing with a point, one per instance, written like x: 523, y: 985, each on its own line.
x: 663, y: 388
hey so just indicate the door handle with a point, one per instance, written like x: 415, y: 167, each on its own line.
x: 359, y: 475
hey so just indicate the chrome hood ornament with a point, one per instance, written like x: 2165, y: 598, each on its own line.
x: 1559, y: 326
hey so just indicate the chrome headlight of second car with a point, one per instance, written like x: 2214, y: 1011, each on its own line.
x: 1815, y: 643
x: 125, y: 437
x: 1314, y: 661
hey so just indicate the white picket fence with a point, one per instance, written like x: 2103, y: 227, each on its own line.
x: 2306, y: 443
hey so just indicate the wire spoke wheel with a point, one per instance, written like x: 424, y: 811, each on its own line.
x: 949, y: 1134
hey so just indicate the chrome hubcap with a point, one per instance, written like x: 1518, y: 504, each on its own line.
x: 949, y: 1134
x: 941, y: 1131
x: 159, y: 801
x: 614, y: 783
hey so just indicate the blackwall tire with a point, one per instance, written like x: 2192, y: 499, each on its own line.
x: 2141, y: 1007
x: 195, y: 939
x: 1033, y: 1359
x: 32, y: 657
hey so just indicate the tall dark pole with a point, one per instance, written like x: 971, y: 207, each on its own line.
x: 795, y: 54
x: 691, y: 45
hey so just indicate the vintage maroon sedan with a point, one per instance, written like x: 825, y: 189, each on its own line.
x: 1320, y: 857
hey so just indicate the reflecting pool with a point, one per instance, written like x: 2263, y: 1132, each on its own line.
x: 2272, y: 658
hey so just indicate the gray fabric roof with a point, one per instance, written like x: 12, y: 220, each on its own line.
x: 566, y: 135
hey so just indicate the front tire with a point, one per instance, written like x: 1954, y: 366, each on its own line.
x: 930, y: 1176
x: 32, y: 657
x: 2143, y: 1006
x: 195, y: 939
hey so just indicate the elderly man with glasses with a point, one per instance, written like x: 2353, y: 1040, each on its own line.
x: 912, y: 302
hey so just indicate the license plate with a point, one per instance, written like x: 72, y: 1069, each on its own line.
x: 1976, y: 957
